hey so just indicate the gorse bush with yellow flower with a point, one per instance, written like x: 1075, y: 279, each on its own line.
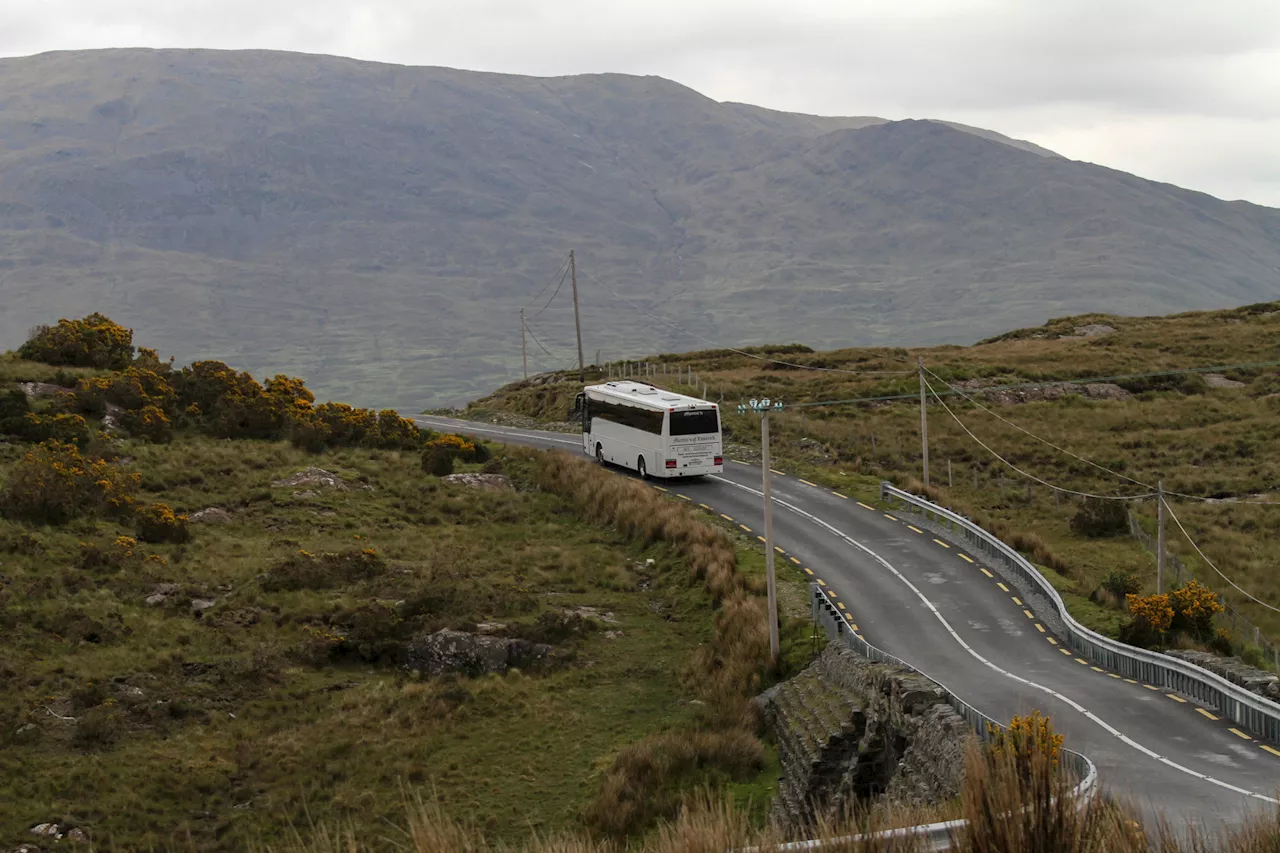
x: 207, y: 396
x: 95, y: 341
x: 54, y: 483
x: 158, y: 523
x: 1188, y: 610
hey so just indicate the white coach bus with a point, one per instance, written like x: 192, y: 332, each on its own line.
x: 654, y: 432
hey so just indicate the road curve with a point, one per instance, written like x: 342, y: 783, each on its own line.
x: 936, y: 607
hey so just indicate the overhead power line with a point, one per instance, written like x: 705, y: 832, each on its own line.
x: 1028, y: 474
x: 560, y: 272
x: 1080, y: 458
x: 563, y: 276
x: 718, y: 345
x: 1210, y: 564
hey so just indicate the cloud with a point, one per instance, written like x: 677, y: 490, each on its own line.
x: 1187, y: 92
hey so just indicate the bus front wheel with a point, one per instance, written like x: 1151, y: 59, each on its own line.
x: 641, y: 469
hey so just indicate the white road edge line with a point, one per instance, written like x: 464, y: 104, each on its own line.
x: 1065, y: 699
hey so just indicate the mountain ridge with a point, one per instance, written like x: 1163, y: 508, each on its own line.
x: 366, y: 223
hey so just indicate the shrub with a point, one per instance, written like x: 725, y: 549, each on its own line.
x: 438, y: 461
x: 99, y: 727
x: 54, y: 483
x: 305, y: 570
x: 158, y: 523
x: 95, y: 341
x: 1098, y: 518
x: 1152, y: 617
x: 150, y: 423
x: 1025, y: 737
x: 120, y: 554
x: 493, y: 466
x: 1194, y: 606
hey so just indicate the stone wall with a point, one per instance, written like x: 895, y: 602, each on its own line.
x: 850, y: 731
x: 1236, y: 671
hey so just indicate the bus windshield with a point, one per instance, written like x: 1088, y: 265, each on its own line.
x: 695, y: 422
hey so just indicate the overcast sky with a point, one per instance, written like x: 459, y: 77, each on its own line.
x: 1186, y: 91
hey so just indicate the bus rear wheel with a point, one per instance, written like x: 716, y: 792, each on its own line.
x: 644, y: 474
x: 600, y: 453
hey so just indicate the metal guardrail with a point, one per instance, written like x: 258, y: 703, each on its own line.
x: 1247, y: 709
x: 934, y: 836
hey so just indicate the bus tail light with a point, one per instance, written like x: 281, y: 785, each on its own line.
x: 719, y: 460
x: 671, y: 463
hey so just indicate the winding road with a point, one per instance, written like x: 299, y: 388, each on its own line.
x: 931, y: 604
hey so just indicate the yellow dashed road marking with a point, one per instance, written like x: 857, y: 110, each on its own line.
x: 943, y: 544
x: 807, y: 483
x: 821, y: 582
x: 1065, y: 651
x: 837, y: 494
x: 853, y: 626
x: 890, y: 517
x: 1097, y: 669
x: 779, y: 550
x: 1113, y: 675
x: 1003, y: 587
x: 1177, y: 699
x: 864, y: 506
x: 1017, y: 601
x: 808, y: 571
x: 1275, y: 752
x: 1039, y: 627
x: 840, y: 604
x: 659, y: 488
x: 1205, y: 713
x: 726, y: 517
x: 776, y: 471
x: 987, y: 573
x: 704, y: 506
x: 832, y: 593
x: 1130, y: 681
x: 1029, y: 614
x: 1240, y: 734
x: 762, y: 539
x: 1150, y: 687
x: 744, y: 527
x: 683, y: 497
x: 913, y: 527
x: 794, y: 560
x: 740, y: 462
x: 1052, y: 640
x: 1082, y: 661
x: 966, y: 558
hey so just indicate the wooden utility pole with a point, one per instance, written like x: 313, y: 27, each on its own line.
x: 924, y: 425
x: 1159, y: 537
x: 524, y: 349
x: 577, y: 320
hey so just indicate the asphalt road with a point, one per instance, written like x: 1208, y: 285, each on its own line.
x: 936, y: 607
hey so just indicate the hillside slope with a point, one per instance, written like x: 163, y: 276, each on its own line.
x: 1210, y: 435
x: 378, y: 227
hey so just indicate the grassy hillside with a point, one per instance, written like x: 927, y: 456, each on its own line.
x: 377, y: 228
x: 212, y: 680
x: 1203, y: 433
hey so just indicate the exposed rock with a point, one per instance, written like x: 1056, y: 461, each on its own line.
x: 49, y: 830
x: 111, y: 417
x: 471, y: 654
x: 485, y: 482
x: 1236, y: 671
x: 37, y: 390
x: 211, y: 515
x: 78, y: 835
x: 26, y: 848
x: 200, y: 605
x: 317, y: 477
x: 160, y: 593
x: 491, y: 627
x: 1039, y: 393
x: 591, y: 613
x: 1093, y: 330
x: 1106, y: 391
x: 850, y: 731
x: 1217, y: 380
